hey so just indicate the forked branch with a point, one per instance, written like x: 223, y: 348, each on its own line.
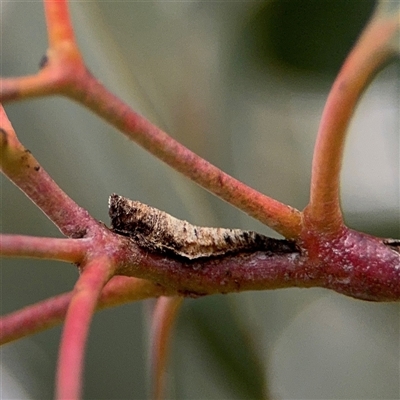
x: 64, y: 73
x: 321, y: 252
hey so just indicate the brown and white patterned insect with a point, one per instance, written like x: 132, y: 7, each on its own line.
x: 393, y: 243
x: 160, y: 232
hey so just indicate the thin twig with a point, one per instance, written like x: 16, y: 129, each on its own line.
x: 164, y: 316
x: 70, y: 250
x: 48, y: 313
x: 373, y: 50
x: 58, y: 22
x: 278, y: 216
x: 80, y: 312
x: 19, y: 165
x: 65, y: 73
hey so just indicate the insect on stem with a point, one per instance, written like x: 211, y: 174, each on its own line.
x: 157, y: 231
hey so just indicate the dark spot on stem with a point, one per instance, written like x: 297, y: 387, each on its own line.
x: 228, y: 273
x: 79, y: 234
x: 190, y: 293
x: 43, y: 62
x: 4, y: 137
x: 37, y: 168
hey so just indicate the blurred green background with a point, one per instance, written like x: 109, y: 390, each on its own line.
x: 243, y: 84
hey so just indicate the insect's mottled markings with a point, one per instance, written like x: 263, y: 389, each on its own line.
x: 160, y: 232
x: 393, y: 243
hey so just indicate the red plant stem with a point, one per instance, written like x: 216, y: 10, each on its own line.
x: 34, y: 318
x: 84, y: 88
x: 164, y: 316
x: 124, y: 289
x: 18, y: 164
x: 51, y: 312
x: 261, y: 270
x: 63, y: 55
x: 83, y: 303
x: 353, y: 263
x: 280, y: 217
x: 70, y: 250
x: 372, y: 51
x: 58, y: 21
x: 66, y: 74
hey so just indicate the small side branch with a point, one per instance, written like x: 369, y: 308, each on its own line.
x: 373, y: 50
x: 58, y: 21
x: 69, y: 250
x: 80, y: 312
x: 164, y: 316
x: 48, y: 313
x: 19, y: 165
x: 282, y: 218
x: 65, y: 73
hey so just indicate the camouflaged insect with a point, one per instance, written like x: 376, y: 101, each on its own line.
x: 160, y: 232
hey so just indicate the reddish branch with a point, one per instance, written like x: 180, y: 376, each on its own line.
x: 70, y: 250
x: 51, y: 312
x: 323, y: 252
x: 83, y: 302
x: 65, y: 73
x: 164, y: 316
x: 19, y: 165
x: 373, y: 50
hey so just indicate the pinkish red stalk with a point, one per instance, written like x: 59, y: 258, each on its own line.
x: 372, y: 51
x: 353, y: 263
x: 282, y: 218
x: 164, y: 316
x: 51, y: 312
x: 19, y: 165
x: 70, y: 250
x: 65, y: 73
x: 34, y: 318
x: 84, y: 88
x: 80, y: 312
x: 226, y: 274
x: 326, y: 253
x: 58, y: 21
